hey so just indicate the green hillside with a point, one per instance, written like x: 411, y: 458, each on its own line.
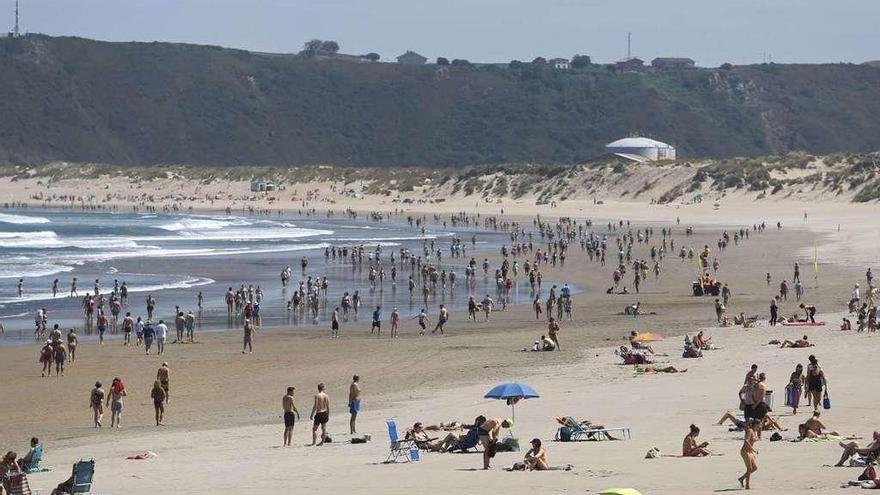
x: 149, y: 103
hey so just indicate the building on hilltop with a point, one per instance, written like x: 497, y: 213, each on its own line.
x: 631, y: 64
x: 411, y: 58
x: 560, y: 63
x: 639, y: 149
x: 673, y: 63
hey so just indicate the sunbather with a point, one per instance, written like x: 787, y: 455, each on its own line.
x: 702, y: 343
x: 424, y: 441
x: 814, y: 427
x: 654, y: 369
x: 585, y: 424
x: 767, y: 424
x: 872, y: 450
x: 690, y: 447
x: 802, y: 342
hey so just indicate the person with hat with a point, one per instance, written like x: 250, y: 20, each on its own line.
x: 96, y: 402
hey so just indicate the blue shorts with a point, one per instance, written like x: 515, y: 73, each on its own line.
x: 355, y: 406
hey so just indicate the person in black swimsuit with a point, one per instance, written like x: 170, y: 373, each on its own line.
x: 815, y: 382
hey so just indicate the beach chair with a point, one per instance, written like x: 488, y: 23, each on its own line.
x: 36, y: 458
x: 400, y: 447
x: 578, y: 432
x: 81, y: 479
x: 471, y: 441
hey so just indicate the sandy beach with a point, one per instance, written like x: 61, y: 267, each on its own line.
x: 224, y: 420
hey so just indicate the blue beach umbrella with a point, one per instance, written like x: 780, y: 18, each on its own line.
x: 512, y: 392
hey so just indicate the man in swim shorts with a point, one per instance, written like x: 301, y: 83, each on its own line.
x: 320, y: 414
x: 291, y: 414
x: 354, y: 402
x: 164, y: 376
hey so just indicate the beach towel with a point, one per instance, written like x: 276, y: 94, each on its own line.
x: 648, y: 337
x: 620, y: 491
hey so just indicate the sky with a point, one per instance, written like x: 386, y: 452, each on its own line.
x: 709, y: 31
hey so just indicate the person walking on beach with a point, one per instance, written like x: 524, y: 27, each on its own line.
x: 815, y: 381
x: 189, y: 324
x: 248, y: 343
x: 291, y: 415
x: 159, y: 397
x: 441, y: 319
x: 127, y: 327
x: 149, y: 335
x: 73, y: 292
x: 114, y: 400
x: 749, y: 453
x: 163, y: 375
x: 320, y: 414
x: 96, y: 403
x: 354, y: 402
x: 377, y: 321
x: 797, y: 272
x: 334, y: 324
x: 774, y: 312
x: 161, y: 336
x: 72, y: 342
x: 719, y: 310
x: 395, y: 323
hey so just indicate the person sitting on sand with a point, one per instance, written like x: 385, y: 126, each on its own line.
x: 702, y: 343
x: 690, y: 447
x: 25, y: 462
x: 802, y: 342
x: 636, y: 344
x: 813, y: 428
x: 689, y: 350
x: 547, y: 343
x: 632, y: 309
x: 846, y: 324
x: 536, y: 458
x: 630, y: 357
x: 871, y: 451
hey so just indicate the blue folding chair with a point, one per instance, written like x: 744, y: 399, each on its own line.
x: 36, y: 458
x: 400, y: 447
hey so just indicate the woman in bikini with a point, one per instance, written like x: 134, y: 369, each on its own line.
x: 690, y: 447
x: 749, y: 453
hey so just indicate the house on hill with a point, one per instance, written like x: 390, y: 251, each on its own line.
x: 631, y: 64
x: 411, y: 58
x: 560, y: 63
x: 673, y: 63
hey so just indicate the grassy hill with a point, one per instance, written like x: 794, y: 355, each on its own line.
x: 160, y: 103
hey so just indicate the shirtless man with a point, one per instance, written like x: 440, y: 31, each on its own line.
x: 354, y: 402
x: 163, y: 374
x: 553, y: 332
x: 490, y: 430
x: 320, y: 414
x: 114, y: 400
x: 395, y: 323
x: 96, y: 403
x: 291, y: 414
x: 441, y: 319
x: 127, y: 327
x: 814, y: 427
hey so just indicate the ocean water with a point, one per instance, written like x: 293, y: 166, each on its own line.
x: 174, y: 256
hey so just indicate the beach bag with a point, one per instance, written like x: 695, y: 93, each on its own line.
x: 826, y: 402
x: 564, y: 434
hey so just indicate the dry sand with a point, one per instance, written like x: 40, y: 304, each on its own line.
x: 224, y: 426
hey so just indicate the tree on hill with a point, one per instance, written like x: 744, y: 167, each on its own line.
x: 516, y: 64
x: 539, y: 61
x: 319, y: 47
x: 442, y: 61
x: 460, y: 62
x: 581, y: 61
x: 372, y: 56
x: 329, y: 47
